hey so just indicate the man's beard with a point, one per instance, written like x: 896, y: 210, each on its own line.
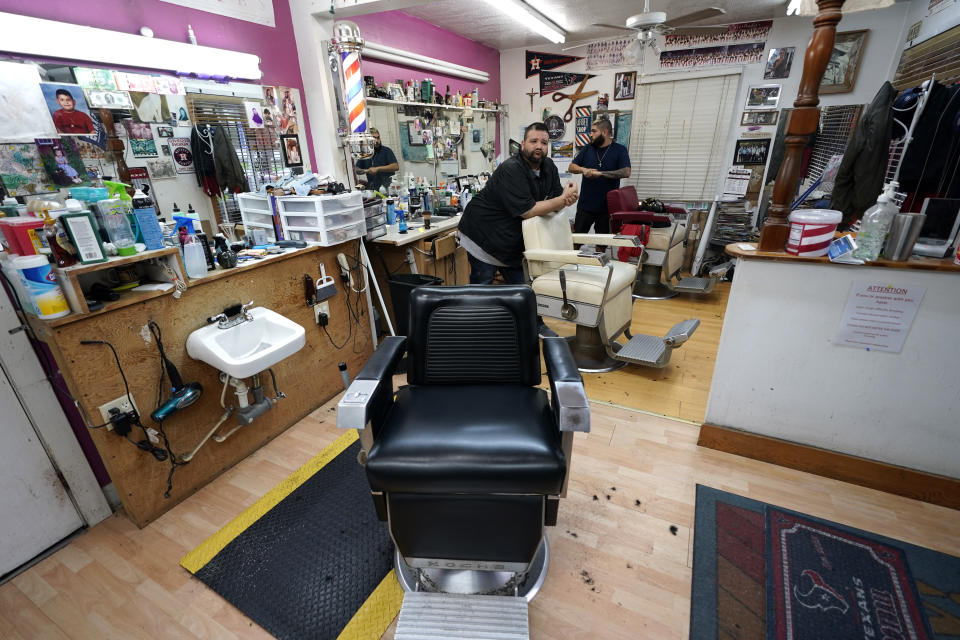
x: 599, y: 142
x: 377, y: 145
x: 529, y: 157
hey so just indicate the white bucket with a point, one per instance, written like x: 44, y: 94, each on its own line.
x: 45, y: 297
x: 811, y: 231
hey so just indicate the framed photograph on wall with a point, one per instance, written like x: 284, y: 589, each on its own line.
x: 779, y: 62
x: 761, y: 118
x: 625, y: 85
x: 841, y: 73
x: 751, y: 151
x: 763, y: 96
x: 290, y: 144
x: 413, y: 133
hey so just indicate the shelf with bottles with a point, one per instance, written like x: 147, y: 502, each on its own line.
x: 147, y: 267
x: 446, y: 107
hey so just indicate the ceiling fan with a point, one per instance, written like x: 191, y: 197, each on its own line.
x: 652, y: 23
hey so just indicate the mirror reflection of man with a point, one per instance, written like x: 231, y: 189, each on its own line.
x: 603, y: 163
x: 379, y: 168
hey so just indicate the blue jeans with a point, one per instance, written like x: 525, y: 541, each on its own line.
x: 483, y: 272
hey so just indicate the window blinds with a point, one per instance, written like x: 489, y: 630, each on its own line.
x: 939, y: 54
x: 679, y: 143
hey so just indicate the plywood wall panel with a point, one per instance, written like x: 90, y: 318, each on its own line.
x: 309, y: 378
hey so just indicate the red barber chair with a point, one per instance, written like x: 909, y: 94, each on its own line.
x: 666, y: 237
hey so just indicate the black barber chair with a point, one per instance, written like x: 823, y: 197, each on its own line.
x: 468, y: 462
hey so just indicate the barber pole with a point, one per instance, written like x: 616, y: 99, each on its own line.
x: 353, y: 84
x: 344, y: 57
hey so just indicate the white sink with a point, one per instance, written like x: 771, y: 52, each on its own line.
x: 249, y: 347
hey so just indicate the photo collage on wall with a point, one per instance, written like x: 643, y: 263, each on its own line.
x: 741, y: 43
x: 52, y: 135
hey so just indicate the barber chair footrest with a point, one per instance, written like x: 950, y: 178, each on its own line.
x: 695, y: 285
x: 440, y: 615
x: 648, y: 351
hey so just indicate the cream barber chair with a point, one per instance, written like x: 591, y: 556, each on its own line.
x: 595, y: 294
x: 689, y: 284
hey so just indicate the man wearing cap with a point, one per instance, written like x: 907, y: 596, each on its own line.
x: 379, y: 168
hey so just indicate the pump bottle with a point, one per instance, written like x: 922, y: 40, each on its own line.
x: 876, y: 224
x: 60, y: 253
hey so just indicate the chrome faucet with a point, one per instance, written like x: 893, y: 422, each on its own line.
x: 225, y: 322
x: 246, y: 314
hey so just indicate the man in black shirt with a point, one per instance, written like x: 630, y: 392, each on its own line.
x: 523, y: 186
x: 603, y: 163
x: 380, y: 167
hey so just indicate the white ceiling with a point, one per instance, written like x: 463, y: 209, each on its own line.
x: 479, y: 21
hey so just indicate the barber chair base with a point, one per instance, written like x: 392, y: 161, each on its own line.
x: 590, y: 353
x: 477, y: 582
x: 648, y: 285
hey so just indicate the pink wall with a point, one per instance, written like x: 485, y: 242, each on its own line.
x: 403, y: 31
x: 275, y: 45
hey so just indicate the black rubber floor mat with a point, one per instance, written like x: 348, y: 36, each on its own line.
x: 302, y: 569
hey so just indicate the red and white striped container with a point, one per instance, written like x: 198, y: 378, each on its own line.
x: 811, y: 231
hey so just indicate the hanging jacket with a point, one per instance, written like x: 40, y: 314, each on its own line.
x: 864, y: 165
x: 930, y: 162
x: 219, y: 168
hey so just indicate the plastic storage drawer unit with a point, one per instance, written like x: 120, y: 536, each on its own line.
x: 256, y: 211
x: 328, y: 220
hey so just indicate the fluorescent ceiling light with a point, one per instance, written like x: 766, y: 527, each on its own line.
x: 52, y: 39
x: 378, y: 51
x: 530, y: 18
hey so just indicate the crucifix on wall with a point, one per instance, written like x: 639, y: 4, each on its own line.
x: 531, y: 93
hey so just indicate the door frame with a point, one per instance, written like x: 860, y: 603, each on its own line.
x: 29, y: 382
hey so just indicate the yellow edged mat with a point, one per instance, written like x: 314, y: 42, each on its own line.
x: 373, y: 616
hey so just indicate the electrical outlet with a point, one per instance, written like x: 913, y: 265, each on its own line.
x: 320, y: 307
x: 122, y: 404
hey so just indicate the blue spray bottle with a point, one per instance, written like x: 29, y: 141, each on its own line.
x: 401, y: 221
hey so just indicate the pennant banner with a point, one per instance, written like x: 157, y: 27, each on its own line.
x: 538, y: 61
x: 551, y: 81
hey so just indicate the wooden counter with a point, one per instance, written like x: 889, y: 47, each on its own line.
x: 309, y: 378
x: 738, y: 250
x: 786, y: 390
x: 416, y: 232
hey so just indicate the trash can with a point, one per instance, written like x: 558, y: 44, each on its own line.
x: 401, y: 284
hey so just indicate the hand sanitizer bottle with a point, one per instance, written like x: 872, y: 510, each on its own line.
x: 875, y: 225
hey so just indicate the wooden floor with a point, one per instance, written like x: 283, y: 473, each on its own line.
x: 681, y: 388
x: 617, y: 571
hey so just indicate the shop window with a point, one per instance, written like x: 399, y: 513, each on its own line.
x: 257, y: 149
x: 678, y: 148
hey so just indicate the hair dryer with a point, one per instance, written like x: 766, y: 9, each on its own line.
x: 183, y: 395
